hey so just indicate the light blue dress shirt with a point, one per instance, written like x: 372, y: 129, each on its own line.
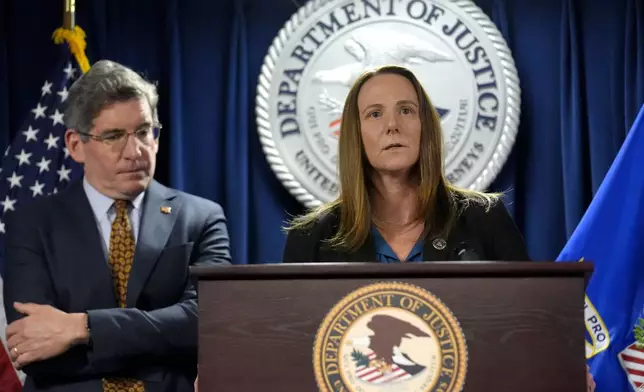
x: 104, y: 213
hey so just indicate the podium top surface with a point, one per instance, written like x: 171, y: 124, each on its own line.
x: 398, y: 270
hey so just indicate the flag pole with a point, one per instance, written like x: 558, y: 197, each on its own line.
x: 69, y: 15
x: 73, y: 35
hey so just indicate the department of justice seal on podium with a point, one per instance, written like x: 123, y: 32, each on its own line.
x: 390, y: 337
x: 453, y: 48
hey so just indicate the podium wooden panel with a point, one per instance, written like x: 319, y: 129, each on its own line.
x: 523, y: 322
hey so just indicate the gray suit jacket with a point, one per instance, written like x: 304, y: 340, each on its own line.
x: 54, y: 256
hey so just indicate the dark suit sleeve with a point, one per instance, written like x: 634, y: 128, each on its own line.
x: 505, y: 239
x: 27, y: 279
x: 119, y: 334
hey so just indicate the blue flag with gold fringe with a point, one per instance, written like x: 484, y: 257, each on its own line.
x: 611, y: 236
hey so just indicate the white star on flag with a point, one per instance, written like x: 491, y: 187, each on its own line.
x: 23, y: 157
x: 57, y: 117
x: 39, y: 111
x: 51, y: 141
x: 14, y: 180
x: 8, y: 204
x: 36, y: 188
x: 69, y: 72
x: 43, y: 165
x: 63, y: 173
x: 63, y: 94
x: 30, y: 134
x: 46, y: 88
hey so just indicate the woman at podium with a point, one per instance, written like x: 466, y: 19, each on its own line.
x: 395, y: 202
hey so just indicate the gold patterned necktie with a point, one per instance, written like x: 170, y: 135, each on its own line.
x: 121, y: 257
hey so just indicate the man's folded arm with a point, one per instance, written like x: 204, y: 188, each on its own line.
x: 27, y: 279
x: 118, y: 334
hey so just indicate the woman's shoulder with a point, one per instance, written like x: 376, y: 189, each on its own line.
x: 478, y: 205
x: 315, y: 225
x: 305, y: 233
x: 481, y: 206
x: 486, y: 217
x: 319, y: 220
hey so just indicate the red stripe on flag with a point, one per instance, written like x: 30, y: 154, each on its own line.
x: 9, y: 381
x: 629, y: 358
x: 635, y: 348
x: 635, y: 372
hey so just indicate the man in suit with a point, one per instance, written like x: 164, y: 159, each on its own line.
x: 97, y: 289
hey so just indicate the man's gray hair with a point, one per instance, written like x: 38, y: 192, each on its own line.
x: 105, y: 83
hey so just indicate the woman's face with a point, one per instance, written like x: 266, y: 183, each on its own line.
x: 390, y: 123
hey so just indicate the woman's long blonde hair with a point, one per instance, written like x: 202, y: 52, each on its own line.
x: 440, y: 201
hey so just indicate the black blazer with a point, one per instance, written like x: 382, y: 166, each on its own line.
x: 491, y: 235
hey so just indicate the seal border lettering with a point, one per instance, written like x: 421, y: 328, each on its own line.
x: 402, y: 288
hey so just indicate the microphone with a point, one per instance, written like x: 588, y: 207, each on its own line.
x: 464, y: 253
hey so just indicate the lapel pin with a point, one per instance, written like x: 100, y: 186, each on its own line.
x: 439, y: 243
x: 166, y: 209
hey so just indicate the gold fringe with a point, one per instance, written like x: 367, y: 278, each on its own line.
x: 76, y: 41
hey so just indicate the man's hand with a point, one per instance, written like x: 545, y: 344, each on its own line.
x: 197, y: 380
x: 44, y: 333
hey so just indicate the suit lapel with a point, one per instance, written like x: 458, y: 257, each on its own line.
x: 432, y: 250
x: 160, y: 210
x: 91, y: 262
x: 440, y: 249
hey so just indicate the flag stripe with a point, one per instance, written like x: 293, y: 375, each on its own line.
x: 637, y: 370
x: 633, y: 360
x: 375, y: 376
x: 637, y: 379
x: 634, y: 352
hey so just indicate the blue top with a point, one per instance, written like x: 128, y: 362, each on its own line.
x: 385, y: 254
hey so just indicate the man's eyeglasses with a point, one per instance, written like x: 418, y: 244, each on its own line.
x: 117, y: 138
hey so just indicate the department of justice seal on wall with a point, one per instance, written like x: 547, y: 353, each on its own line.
x: 451, y: 45
x: 390, y: 337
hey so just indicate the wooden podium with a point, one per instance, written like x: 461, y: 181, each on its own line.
x: 523, y: 322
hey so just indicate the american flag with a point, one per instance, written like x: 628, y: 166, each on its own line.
x: 632, y: 360
x: 373, y: 375
x: 35, y: 165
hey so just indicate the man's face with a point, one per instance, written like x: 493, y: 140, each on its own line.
x: 118, y: 168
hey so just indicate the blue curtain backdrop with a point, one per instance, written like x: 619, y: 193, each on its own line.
x: 581, y: 64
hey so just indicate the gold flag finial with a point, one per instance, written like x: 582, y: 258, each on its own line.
x: 73, y: 35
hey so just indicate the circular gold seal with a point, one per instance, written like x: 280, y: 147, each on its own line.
x: 390, y: 336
